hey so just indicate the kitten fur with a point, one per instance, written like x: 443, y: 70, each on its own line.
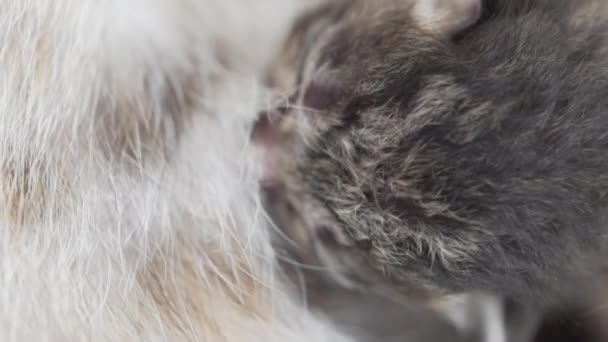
x: 128, y: 196
x: 447, y: 157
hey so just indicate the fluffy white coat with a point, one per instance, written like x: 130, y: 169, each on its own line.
x: 128, y: 199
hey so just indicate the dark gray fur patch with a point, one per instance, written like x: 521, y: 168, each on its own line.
x: 474, y: 163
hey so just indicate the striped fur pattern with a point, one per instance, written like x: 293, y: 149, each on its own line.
x: 441, y: 157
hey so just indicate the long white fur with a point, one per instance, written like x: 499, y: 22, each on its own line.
x: 106, y: 239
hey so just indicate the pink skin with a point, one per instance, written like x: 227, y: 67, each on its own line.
x: 267, y: 138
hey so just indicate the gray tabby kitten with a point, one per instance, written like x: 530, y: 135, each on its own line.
x: 437, y: 147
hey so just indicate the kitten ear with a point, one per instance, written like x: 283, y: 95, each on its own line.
x: 447, y: 17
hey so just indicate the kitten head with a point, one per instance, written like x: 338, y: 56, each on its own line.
x: 377, y: 151
x: 351, y: 69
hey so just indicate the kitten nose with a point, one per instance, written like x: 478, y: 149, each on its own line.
x: 274, y: 124
x: 266, y: 130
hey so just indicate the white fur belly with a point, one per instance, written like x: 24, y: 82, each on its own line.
x: 128, y: 204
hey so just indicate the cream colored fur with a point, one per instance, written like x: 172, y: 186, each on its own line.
x: 129, y: 208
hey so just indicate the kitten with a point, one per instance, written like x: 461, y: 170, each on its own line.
x: 443, y: 147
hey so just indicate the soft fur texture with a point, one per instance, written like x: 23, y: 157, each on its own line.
x: 444, y: 161
x: 128, y: 201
